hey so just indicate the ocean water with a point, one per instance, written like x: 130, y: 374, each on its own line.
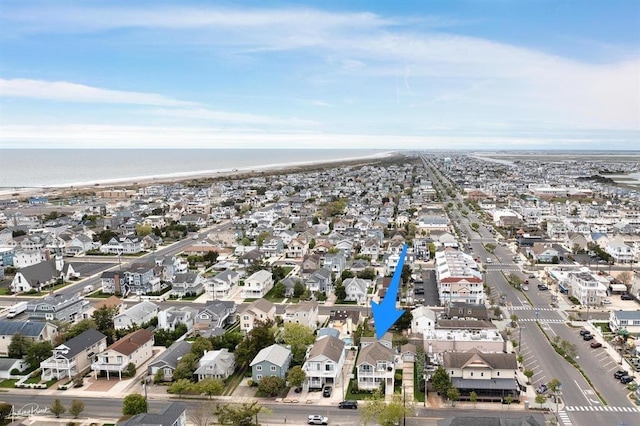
x: 41, y: 168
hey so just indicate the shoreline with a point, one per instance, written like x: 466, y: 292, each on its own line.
x: 136, y: 181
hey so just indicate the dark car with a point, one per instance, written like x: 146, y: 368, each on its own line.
x: 542, y: 287
x: 326, y: 392
x: 626, y: 380
x: 620, y: 373
x: 587, y: 337
x: 348, y: 404
x: 596, y: 345
x: 542, y: 388
x: 626, y: 296
x: 584, y: 332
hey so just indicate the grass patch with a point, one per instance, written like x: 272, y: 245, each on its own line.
x: 604, y: 326
x: 8, y: 383
x: 417, y: 395
x: 99, y: 295
x: 233, y: 381
x: 352, y: 393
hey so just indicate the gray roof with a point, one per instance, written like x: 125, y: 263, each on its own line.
x: 26, y: 328
x: 170, y: 357
x: 275, y: 354
x: 326, y: 331
x: 374, y: 353
x: 496, y: 361
x: 627, y: 315
x: 40, y: 272
x: 82, y: 341
x: 7, y: 363
x: 495, y: 384
x: 189, y: 277
x: 139, y: 311
x: 218, y: 307
x: 328, y: 346
x: 166, y: 417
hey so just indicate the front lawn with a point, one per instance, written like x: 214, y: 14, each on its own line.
x: 353, y: 393
x: 8, y: 383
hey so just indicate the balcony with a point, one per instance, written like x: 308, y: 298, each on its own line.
x: 97, y: 366
x: 58, y: 364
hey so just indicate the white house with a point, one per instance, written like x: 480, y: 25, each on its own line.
x: 305, y: 313
x: 138, y: 314
x: 218, y: 364
x: 324, y: 363
x: 629, y: 320
x: 257, y: 285
x: 258, y: 310
x: 356, y: 289
x: 424, y: 320
x: 375, y: 365
x: 136, y: 348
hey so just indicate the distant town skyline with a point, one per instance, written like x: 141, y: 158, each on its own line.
x: 463, y: 74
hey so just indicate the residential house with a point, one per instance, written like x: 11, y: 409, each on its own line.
x: 621, y: 252
x: 219, y: 286
x: 8, y: 365
x: 59, y: 307
x: 375, y: 366
x: 218, y: 364
x: 544, y: 253
x: 199, y: 220
x: 258, y: 310
x: 320, y: 280
x: 489, y: 375
x: 257, y: 285
x: 133, y: 348
x: 123, y: 245
x: 628, y: 320
x: 273, y: 247
x: 423, y: 320
x: 168, y: 319
x: 37, y: 277
x: 305, y: 313
x: 297, y: 248
x: 36, y: 331
x: 74, y: 356
x: 357, y: 290
x: 324, y: 362
x: 168, y: 360
x: 187, y: 284
x: 310, y: 263
x: 79, y: 244
x: 463, y: 310
x: 142, y: 278
x: 138, y: 314
x: 587, y: 288
x: 214, y: 317
x: 335, y: 263
x: 174, y: 414
x: 273, y: 360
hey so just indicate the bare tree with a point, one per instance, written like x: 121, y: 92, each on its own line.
x: 202, y: 415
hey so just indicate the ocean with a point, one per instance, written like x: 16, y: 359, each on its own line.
x: 43, y: 168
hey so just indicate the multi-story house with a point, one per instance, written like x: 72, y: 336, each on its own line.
x: 218, y: 364
x: 273, y: 360
x: 336, y: 263
x: 59, y: 307
x: 138, y: 314
x: 324, y: 363
x: 123, y: 245
x: 169, y: 318
x: 621, y: 252
x: 188, y: 284
x: 174, y: 414
x: 628, y: 320
x: 133, y: 348
x: 219, y: 286
x: 544, y: 253
x: 305, y: 313
x: 375, y: 366
x: 257, y: 285
x: 489, y: 375
x: 297, y: 248
x: 586, y: 287
x: 36, y: 331
x: 258, y: 310
x: 320, y: 280
x: 215, y: 316
x: 141, y: 278
x: 74, y: 356
x: 273, y: 246
x: 458, y: 278
x: 423, y: 320
x: 38, y: 276
x: 356, y: 289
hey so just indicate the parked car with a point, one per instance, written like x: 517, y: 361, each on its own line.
x: 620, y: 373
x: 532, y: 276
x: 542, y: 287
x: 587, y: 337
x: 626, y: 380
x: 596, y: 345
x: 542, y: 388
x: 348, y: 404
x: 326, y: 392
x: 606, y: 302
x: 583, y: 332
x: 317, y: 419
x: 626, y: 296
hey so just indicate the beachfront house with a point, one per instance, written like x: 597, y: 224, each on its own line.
x: 257, y: 285
x: 74, y: 356
x: 135, y: 348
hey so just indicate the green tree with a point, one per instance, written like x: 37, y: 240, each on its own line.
x: 453, y: 394
x: 278, y: 273
x: 271, y: 385
x: 473, y: 397
x: 404, y: 322
x: 299, y: 336
x: 159, y: 376
x: 143, y: 230
x: 312, y: 243
x: 228, y: 340
x: 541, y: 399
x: 261, y: 237
x: 528, y: 374
x: 38, y: 352
x: 210, y: 387
x: 130, y: 370
x: 238, y: 414
x: 76, y: 408
x: 57, y: 408
x: 298, y: 289
x: 554, y: 385
x: 181, y: 386
x: 103, y: 318
x: 340, y: 292
x: 279, y: 290
x: 104, y: 236
x: 5, y: 410
x: 441, y: 380
x: 296, y: 376
x: 384, y: 414
x: 19, y: 346
x: 406, y: 274
x: 367, y: 274
x: 186, y: 366
x: 200, y: 345
x: 134, y: 404
x: 259, y: 337
x: 490, y: 247
x: 508, y: 400
x: 347, y: 274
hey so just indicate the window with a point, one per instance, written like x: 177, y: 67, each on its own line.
x: 497, y: 373
x: 481, y: 374
x: 328, y: 367
x: 246, y: 317
x: 259, y: 376
x: 258, y: 368
x: 472, y: 374
x: 273, y: 368
x: 119, y: 359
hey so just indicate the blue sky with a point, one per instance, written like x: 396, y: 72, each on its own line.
x: 474, y: 74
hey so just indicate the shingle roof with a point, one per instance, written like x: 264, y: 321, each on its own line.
x: 373, y: 353
x: 275, y: 354
x: 496, y: 361
x: 172, y: 354
x: 82, y: 341
x: 132, y: 341
x: 40, y: 272
x: 328, y: 346
x: 26, y: 328
x: 139, y: 311
x: 166, y: 417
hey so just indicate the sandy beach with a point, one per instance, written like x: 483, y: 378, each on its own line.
x: 137, y: 181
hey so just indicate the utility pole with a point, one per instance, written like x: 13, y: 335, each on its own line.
x: 404, y: 405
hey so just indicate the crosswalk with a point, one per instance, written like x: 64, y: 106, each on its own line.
x: 547, y: 320
x: 564, y: 418
x: 529, y: 308
x: 602, y: 408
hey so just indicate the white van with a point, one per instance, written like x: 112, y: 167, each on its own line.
x: 488, y: 260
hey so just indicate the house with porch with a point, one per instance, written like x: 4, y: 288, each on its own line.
x: 59, y: 307
x: 168, y: 360
x: 215, y: 316
x: 273, y: 360
x: 257, y: 285
x: 375, y: 366
x: 171, y: 317
x: 627, y: 320
x: 138, y: 314
x: 305, y: 313
x: 187, y: 284
x: 259, y: 310
x: 320, y: 280
x: 219, y: 286
x: 36, y: 331
x: 136, y: 348
x: 218, y: 364
x: 74, y: 356
x: 357, y: 289
x: 324, y: 362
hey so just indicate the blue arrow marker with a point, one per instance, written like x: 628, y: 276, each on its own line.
x: 385, y: 313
